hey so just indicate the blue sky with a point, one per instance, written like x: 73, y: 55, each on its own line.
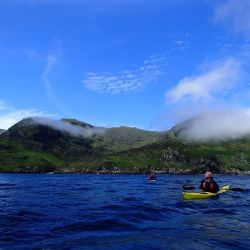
x: 148, y: 64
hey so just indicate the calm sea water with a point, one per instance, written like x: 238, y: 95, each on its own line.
x: 119, y: 212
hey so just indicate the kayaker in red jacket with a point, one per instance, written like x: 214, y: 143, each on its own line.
x: 208, y: 184
x: 152, y: 177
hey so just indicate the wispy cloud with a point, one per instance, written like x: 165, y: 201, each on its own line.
x: 9, y: 115
x: 234, y: 14
x: 51, y: 61
x: 217, y: 78
x: 181, y: 44
x: 128, y: 80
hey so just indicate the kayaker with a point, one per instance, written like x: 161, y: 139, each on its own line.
x: 208, y: 184
x: 152, y: 176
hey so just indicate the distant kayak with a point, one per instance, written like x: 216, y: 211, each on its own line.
x: 204, y: 195
x: 152, y: 180
x: 152, y: 177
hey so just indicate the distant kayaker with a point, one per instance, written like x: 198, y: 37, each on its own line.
x: 208, y: 184
x: 152, y: 177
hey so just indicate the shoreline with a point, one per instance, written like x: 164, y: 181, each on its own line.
x: 227, y: 173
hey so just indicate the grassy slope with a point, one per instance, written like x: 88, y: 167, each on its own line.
x: 124, y: 138
x: 231, y: 155
x: 16, y: 157
x: 148, y: 157
x: 125, y: 149
x: 38, y: 148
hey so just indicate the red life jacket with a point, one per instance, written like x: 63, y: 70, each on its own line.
x: 208, y: 185
x: 151, y: 177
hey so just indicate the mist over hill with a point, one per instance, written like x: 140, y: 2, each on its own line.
x: 68, y: 145
x: 220, y: 125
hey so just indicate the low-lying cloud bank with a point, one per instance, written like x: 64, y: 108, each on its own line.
x: 74, y: 130
x: 219, y: 125
x: 211, y: 96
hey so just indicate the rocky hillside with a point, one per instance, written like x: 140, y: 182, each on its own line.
x: 70, y: 137
x: 174, y: 156
x: 40, y: 145
x: 62, y: 144
x: 45, y: 138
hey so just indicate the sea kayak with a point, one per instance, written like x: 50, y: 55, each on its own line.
x: 152, y: 180
x: 204, y: 195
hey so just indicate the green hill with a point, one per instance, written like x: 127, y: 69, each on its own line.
x: 34, y: 145
x: 123, y: 138
x: 172, y: 155
x: 65, y: 145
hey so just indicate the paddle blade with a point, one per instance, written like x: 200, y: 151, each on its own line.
x: 188, y: 187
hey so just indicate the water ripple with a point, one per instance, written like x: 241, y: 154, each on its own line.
x: 119, y: 212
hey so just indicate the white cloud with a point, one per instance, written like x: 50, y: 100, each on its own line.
x: 181, y: 44
x: 217, y: 97
x: 221, y: 124
x: 9, y: 115
x: 51, y: 61
x: 126, y: 81
x: 67, y: 127
x: 218, y: 79
x: 234, y: 14
x: 211, y: 98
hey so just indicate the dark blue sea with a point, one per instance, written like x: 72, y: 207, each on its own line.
x: 87, y: 211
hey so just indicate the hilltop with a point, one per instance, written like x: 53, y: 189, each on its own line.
x: 68, y: 145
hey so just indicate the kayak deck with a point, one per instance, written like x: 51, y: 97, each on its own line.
x: 204, y: 195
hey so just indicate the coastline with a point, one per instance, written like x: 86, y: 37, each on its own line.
x: 234, y: 172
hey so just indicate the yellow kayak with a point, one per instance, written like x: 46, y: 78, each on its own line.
x: 204, y: 195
